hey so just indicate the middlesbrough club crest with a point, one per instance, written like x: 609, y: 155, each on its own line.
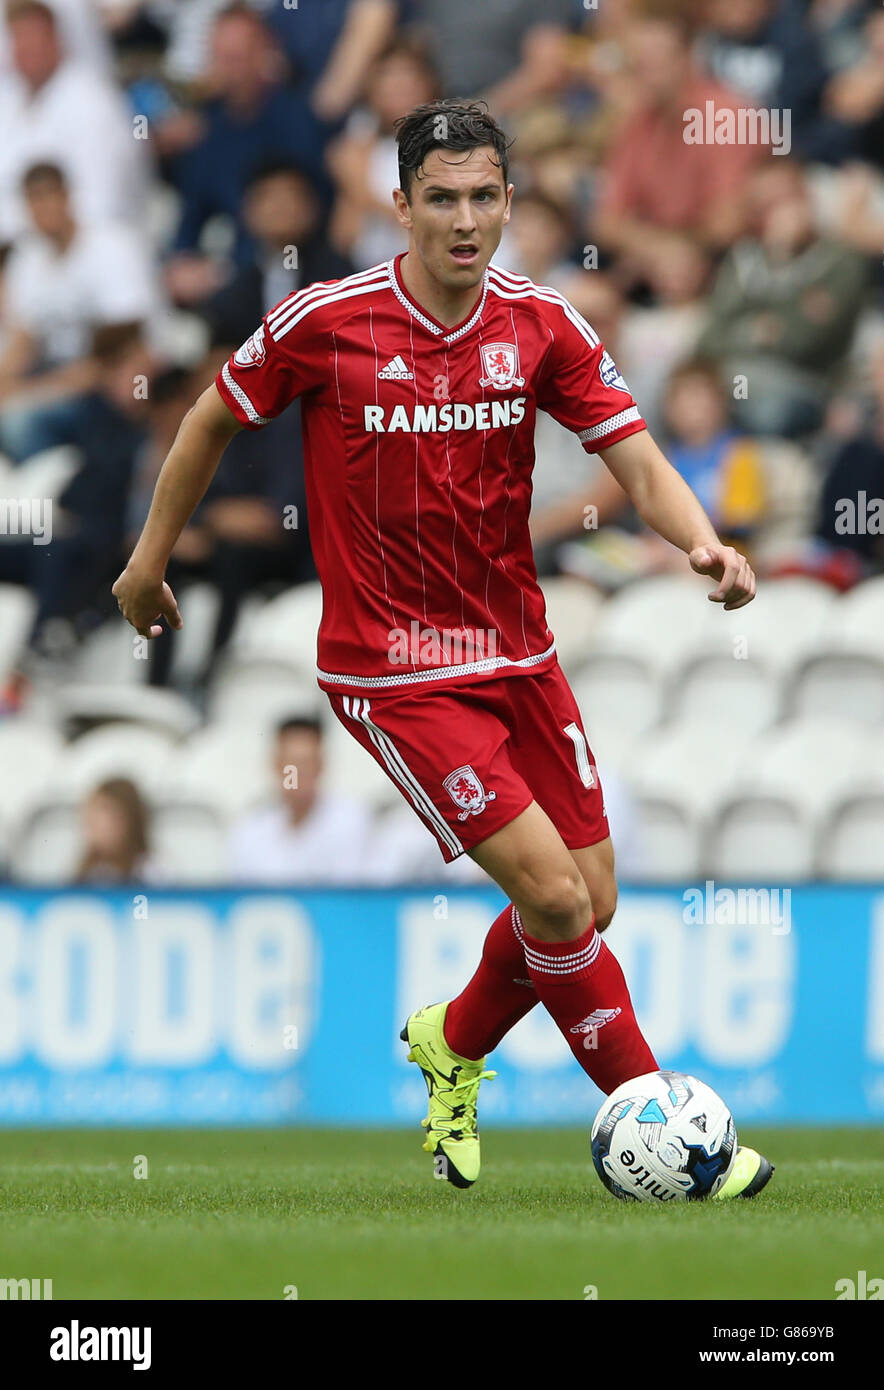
x: 500, y: 366
x: 466, y: 790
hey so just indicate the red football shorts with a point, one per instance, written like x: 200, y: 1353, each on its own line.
x: 469, y: 759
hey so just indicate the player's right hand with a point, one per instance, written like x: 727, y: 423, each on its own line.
x: 144, y: 602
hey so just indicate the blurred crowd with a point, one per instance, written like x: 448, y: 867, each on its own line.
x: 171, y: 169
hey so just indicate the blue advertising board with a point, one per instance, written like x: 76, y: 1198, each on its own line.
x: 268, y: 1007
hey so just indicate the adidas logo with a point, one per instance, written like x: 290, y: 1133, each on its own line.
x: 395, y: 370
x: 597, y: 1019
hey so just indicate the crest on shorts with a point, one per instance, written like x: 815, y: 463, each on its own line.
x: 253, y: 351
x: 466, y: 790
x: 500, y: 364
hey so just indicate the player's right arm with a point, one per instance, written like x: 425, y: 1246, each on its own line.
x: 282, y: 359
x: 141, y: 591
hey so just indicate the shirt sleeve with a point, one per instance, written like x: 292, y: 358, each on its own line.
x: 581, y: 385
x: 284, y: 358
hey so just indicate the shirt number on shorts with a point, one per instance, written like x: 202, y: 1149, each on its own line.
x: 581, y: 752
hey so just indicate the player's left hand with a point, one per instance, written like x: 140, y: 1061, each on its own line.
x: 735, y: 575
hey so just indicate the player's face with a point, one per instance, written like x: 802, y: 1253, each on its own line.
x: 459, y: 206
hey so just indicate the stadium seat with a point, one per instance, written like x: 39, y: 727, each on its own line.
x: 30, y: 756
x: 743, y: 694
x: 692, y: 764
x: 199, y: 605
x: 284, y: 629
x: 45, y: 475
x: 572, y: 610
x: 46, y: 847
x: 838, y: 684
x: 262, y: 691
x: 617, y: 690
x: 670, y: 840
x: 190, y: 842
x: 17, y: 608
x: 857, y: 623
x: 107, y: 656
x: 116, y: 750
x: 150, y: 708
x: 655, y: 620
x: 808, y: 761
x: 761, y: 839
x: 851, y: 845
x: 225, y: 766
x: 786, y: 622
x: 351, y: 770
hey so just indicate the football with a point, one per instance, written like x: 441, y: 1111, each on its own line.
x: 663, y: 1137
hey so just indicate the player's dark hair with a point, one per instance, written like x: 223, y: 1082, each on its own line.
x: 300, y: 723
x: 30, y: 9
x: 449, y: 124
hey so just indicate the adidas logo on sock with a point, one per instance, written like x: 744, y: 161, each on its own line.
x: 395, y: 370
x: 597, y: 1019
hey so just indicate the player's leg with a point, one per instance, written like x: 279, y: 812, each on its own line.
x: 575, y: 975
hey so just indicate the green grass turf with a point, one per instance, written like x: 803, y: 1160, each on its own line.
x: 357, y: 1215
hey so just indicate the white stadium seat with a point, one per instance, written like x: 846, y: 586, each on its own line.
x: 786, y: 621
x: 811, y: 761
x: 47, y: 846
x: 30, y: 757
x: 17, y: 609
x: 851, y: 846
x: 190, y: 842
x: 116, y: 750
x: 693, y: 764
x: 617, y: 690
x: 263, y: 692
x: 572, y: 611
x: 226, y: 766
x: 163, y: 710
x: 740, y: 693
x: 283, y: 629
x: 655, y: 620
x: 857, y: 623
x: 848, y: 685
x: 670, y: 840
x: 761, y: 839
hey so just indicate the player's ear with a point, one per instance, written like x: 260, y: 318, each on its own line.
x: 509, y: 202
x: 402, y: 207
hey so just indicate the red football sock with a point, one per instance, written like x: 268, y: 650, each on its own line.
x: 581, y: 985
x: 498, y: 995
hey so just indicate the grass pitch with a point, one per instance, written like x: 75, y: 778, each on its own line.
x: 337, y: 1214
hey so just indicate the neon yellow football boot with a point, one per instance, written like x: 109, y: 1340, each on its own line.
x: 750, y: 1173
x: 453, y: 1088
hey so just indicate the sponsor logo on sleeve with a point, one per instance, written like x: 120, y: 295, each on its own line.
x: 610, y: 374
x: 253, y: 351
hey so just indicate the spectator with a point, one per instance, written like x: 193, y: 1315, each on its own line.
x: 724, y: 469
x: 53, y: 110
x: 784, y: 308
x: 655, y: 180
x: 282, y: 216
x: 364, y: 161
x: 855, y: 97
x: 767, y: 51
x: 73, y: 571
x: 540, y: 240
x: 510, y: 54
x: 306, y: 835
x: 62, y: 281
x: 116, y: 846
x: 331, y: 45
x: 80, y: 29
x: 251, y: 118
x: 851, y: 512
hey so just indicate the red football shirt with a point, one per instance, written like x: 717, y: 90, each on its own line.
x: 418, y: 448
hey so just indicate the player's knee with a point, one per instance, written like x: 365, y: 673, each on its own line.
x: 604, y: 903
x: 559, y: 905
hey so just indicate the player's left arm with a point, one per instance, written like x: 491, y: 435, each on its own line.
x: 664, y: 501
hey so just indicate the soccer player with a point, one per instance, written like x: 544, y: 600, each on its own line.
x: 419, y: 383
